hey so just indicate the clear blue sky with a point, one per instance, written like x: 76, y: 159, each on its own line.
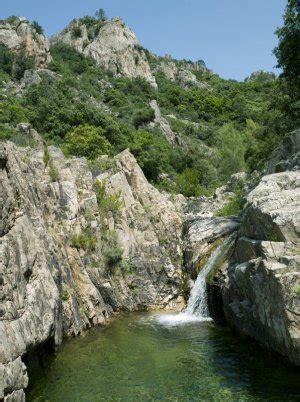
x: 234, y: 37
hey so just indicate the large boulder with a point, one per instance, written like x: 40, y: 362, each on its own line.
x: 20, y: 36
x: 261, y: 289
x: 257, y: 291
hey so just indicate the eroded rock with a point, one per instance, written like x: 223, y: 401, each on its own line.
x: 19, y: 35
x: 65, y: 262
x: 114, y: 46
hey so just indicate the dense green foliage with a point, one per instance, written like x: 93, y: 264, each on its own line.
x: 14, y: 65
x: 87, y: 141
x: 288, y: 55
x: 224, y: 126
x: 38, y: 29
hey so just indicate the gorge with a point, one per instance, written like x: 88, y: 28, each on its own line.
x: 145, y: 215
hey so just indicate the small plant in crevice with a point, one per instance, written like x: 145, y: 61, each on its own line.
x: 126, y: 267
x: 46, y: 157
x: 85, y: 240
x: 112, y: 251
x: 296, y: 290
x: 65, y: 296
x: 107, y: 202
x: 235, y: 203
x: 114, y: 254
x: 76, y: 32
x: 37, y: 27
x: 53, y: 172
x: 100, y: 165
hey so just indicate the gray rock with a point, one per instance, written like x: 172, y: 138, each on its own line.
x: 56, y: 274
x: 287, y: 155
x: 115, y: 47
x: 20, y: 36
x: 260, y: 285
x: 164, y: 125
x: 201, y: 237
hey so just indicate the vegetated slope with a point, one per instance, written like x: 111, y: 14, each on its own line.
x: 221, y: 126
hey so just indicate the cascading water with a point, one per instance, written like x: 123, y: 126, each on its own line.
x: 197, y: 307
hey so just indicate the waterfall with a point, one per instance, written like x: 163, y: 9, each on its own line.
x: 197, y: 307
x: 197, y: 303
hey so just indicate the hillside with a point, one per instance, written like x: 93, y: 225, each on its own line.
x: 188, y: 128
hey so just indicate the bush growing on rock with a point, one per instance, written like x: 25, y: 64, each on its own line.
x: 76, y: 32
x: 37, y: 27
x: 14, y: 64
x: 107, y: 202
x: 85, y: 240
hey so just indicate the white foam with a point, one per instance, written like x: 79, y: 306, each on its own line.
x: 171, y: 320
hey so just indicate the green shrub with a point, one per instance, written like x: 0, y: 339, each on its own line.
x: 67, y: 60
x: 46, y: 157
x: 6, y: 132
x: 53, y: 172
x: 38, y: 29
x: 85, y: 240
x: 143, y: 116
x: 100, y: 165
x: 88, y: 21
x: 296, y: 290
x: 187, y: 183
x: 20, y: 139
x: 6, y: 60
x: 114, y: 254
x: 107, y: 203
x: 152, y: 153
x: 76, y: 32
x: 235, y: 204
x: 87, y: 141
x: 11, y: 19
x: 232, y: 151
x: 65, y: 296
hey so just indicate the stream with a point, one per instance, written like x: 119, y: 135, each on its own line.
x: 164, y: 357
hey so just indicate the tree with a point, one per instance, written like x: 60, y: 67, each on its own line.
x: 87, y: 141
x: 36, y: 26
x: 232, y: 151
x: 288, y: 56
x: 100, y: 14
x: 287, y: 51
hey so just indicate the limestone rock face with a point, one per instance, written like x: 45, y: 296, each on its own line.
x: 163, y: 123
x: 182, y: 72
x: 71, y: 255
x: 261, y: 291
x: 115, y: 47
x: 19, y: 36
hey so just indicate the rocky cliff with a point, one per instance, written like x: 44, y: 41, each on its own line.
x: 76, y: 247
x: 259, y: 288
x: 111, y: 44
x: 20, y: 36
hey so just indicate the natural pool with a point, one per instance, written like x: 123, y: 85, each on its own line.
x: 138, y: 358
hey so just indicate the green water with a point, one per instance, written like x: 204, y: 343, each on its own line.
x: 138, y: 359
